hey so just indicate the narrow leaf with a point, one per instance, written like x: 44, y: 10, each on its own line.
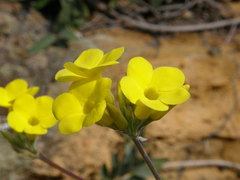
x: 43, y: 43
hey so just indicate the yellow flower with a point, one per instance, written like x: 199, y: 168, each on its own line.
x: 32, y: 116
x: 153, y: 91
x: 89, y: 64
x: 83, y: 106
x: 13, y: 90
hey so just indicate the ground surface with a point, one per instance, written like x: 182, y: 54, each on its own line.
x: 211, y: 67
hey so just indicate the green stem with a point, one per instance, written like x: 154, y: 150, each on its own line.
x: 63, y: 170
x: 146, y: 157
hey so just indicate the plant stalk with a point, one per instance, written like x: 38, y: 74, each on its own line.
x: 146, y: 157
x: 63, y: 170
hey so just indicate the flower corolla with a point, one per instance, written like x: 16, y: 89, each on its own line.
x: 153, y: 91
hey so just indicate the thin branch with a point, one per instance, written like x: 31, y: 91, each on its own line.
x: 129, y: 22
x: 146, y: 157
x: 63, y: 170
x: 220, y: 6
x: 231, y: 33
x: 181, y: 9
x: 176, y: 28
x: 200, y: 163
x: 170, y: 7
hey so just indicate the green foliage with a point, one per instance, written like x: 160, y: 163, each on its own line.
x: 71, y: 14
x: 20, y: 142
x: 39, y: 4
x: 67, y: 16
x: 156, y: 3
x: 130, y: 166
x: 43, y: 43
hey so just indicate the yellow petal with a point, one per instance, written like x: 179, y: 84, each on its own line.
x: 187, y: 87
x: 66, y: 75
x: 131, y: 89
x: 141, y: 111
x: 4, y: 98
x: 82, y: 90
x: 71, y: 123
x: 16, y: 88
x: 81, y: 72
x: 76, y: 69
x: 167, y: 78
x: 174, y: 97
x: 96, y: 90
x: 95, y: 114
x: 156, y: 105
x: 158, y: 114
x: 111, y: 57
x: 101, y: 90
x: 89, y: 59
x: 16, y: 121
x: 140, y: 70
x: 37, y: 129
x: 66, y: 104
x: 33, y: 90
x: 44, y: 111
x: 26, y: 105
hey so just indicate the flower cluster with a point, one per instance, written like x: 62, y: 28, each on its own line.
x: 86, y: 101
x: 145, y: 94
x: 13, y: 90
x: 27, y: 114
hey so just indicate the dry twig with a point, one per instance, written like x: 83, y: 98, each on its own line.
x: 130, y: 22
x: 231, y: 33
x: 180, y: 10
x: 200, y: 163
x: 220, y: 6
x: 175, y: 28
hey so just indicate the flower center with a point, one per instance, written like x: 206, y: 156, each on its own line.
x: 33, y: 121
x: 151, y: 94
x: 88, y: 106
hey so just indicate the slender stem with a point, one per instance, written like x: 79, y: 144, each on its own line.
x: 146, y: 157
x: 65, y: 171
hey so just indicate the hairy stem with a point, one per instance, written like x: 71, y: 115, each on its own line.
x: 146, y: 157
x: 63, y: 170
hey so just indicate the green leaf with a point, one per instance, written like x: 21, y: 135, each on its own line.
x: 39, y: 4
x: 113, y: 4
x: 78, y: 22
x: 136, y: 178
x: 155, y: 3
x: 43, y: 43
x: 104, y: 172
x: 67, y: 35
x: 130, y: 157
x: 115, y: 165
x: 7, y: 137
x: 85, y: 9
x: 64, y: 16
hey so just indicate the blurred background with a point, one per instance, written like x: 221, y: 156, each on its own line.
x: 201, y: 37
